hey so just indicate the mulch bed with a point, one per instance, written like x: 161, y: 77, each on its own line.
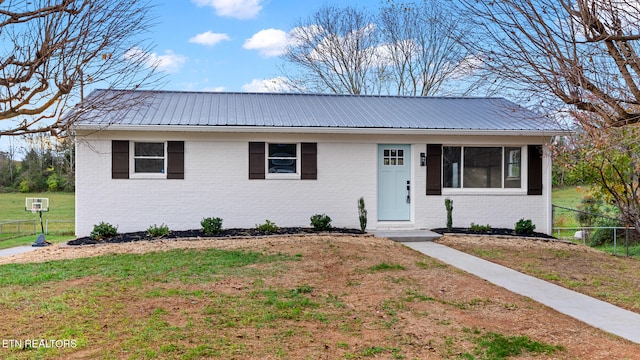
x: 493, y: 231
x: 236, y: 233
x: 226, y: 233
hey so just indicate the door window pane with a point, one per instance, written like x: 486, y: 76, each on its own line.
x: 393, y: 157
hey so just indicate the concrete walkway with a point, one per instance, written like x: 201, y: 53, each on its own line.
x: 599, y: 314
x: 17, y: 250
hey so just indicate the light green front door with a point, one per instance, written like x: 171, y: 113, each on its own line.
x: 394, y: 175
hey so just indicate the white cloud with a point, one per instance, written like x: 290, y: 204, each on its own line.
x: 209, y: 38
x: 214, y: 89
x: 169, y: 62
x: 268, y: 42
x: 239, y: 9
x: 278, y: 84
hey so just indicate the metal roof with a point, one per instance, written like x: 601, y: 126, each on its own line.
x: 276, y: 110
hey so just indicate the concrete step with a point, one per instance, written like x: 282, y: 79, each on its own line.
x: 406, y: 235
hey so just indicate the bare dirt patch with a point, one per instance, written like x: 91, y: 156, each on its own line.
x: 416, y: 307
x: 615, y: 279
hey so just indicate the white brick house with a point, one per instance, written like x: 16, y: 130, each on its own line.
x: 177, y: 157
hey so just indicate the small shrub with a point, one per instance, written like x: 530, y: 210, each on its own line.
x: 267, y: 227
x: 362, y: 214
x: 321, y: 222
x: 211, y: 225
x: 448, y: 204
x: 480, y: 228
x: 53, y: 182
x: 590, y: 207
x: 24, y: 186
x: 158, y: 231
x: 601, y: 236
x: 525, y: 227
x: 103, y: 231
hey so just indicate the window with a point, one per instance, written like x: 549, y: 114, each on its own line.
x: 481, y: 167
x: 148, y: 158
x: 512, y: 167
x: 155, y: 160
x: 282, y: 159
x: 393, y: 157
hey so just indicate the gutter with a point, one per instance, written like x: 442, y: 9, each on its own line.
x: 319, y: 130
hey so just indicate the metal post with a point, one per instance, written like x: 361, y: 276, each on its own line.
x: 627, y: 238
x: 615, y: 240
x: 41, y: 225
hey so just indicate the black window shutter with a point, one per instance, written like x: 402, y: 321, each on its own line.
x: 434, y: 169
x: 309, y: 158
x: 534, y: 177
x: 256, y: 160
x: 175, y: 160
x: 119, y: 159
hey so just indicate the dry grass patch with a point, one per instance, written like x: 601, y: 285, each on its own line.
x: 316, y: 297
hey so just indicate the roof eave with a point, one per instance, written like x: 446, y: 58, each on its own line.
x: 322, y: 130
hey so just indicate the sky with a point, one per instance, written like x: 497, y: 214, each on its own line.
x: 222, y: 45
x: 227, y: 45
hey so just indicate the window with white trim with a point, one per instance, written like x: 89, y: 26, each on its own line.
x: 283, y: 159
x: 481, y: 167
x: 149, y: 157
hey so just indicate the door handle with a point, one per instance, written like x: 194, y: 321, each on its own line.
x: 408, y: 192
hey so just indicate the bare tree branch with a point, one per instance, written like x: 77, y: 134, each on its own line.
x: 53, y: 49
x: 580, y: 52
x: 334, y: 48
x: 422, y: 40
x: 407, y: 48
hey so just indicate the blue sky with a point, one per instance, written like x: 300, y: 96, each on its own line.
x: 223, y: 45
x: 226, y: 45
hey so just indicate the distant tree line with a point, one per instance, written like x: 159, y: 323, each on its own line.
x: 39, y: 165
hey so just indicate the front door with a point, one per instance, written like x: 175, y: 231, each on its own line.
x: 394, y: 175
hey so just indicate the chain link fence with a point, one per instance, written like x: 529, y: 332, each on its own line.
x: 17, y: 228
x: 617, y: 236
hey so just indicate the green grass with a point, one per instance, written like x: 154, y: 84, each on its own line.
x: 497, y: 346
x: 61, y: 207
x: 568, y: 197
x: 95, y: 313
x: 188, y: 266
x: 621, y: 249
x: 386, y: 267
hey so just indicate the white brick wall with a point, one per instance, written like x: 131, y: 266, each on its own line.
x: 216, y: 184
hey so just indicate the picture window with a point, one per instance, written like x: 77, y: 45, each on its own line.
x: 481, y: 167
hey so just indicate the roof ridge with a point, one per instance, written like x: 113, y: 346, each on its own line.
x: 307, y: 94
